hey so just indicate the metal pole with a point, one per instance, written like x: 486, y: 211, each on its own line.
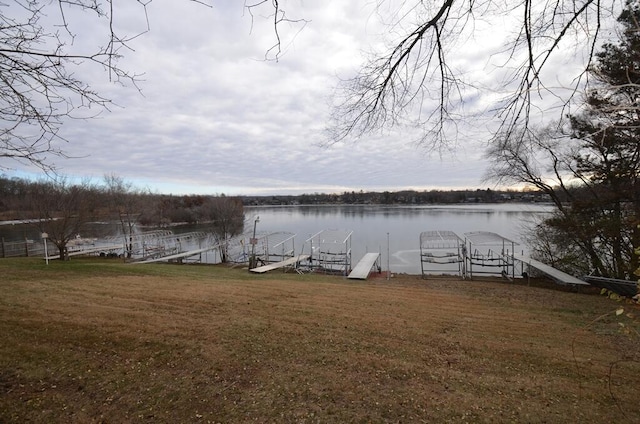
x: 46, y: 255
x: 388, y: 260
x: 252, y: 263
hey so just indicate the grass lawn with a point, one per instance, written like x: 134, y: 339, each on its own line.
x: 95, y: 340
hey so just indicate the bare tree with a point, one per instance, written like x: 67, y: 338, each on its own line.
x: 274, y: 11
x: 128, y: 203
x: 226, y: 215
x: 540, y: 158
x: 596, y: 204
x: 416, y: 83
x: 39, y: 86
x: 590, y: 165
x: 544, y: 159
x: 62, y: 210
x: 43, y: 68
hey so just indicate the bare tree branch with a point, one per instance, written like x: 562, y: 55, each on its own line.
x: 388, y: 89
x: 387, y: 93
x: 39, y: 88
x: 276, y: 13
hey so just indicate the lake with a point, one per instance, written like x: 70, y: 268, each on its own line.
x: 376, y: 228
x: 396, y: 229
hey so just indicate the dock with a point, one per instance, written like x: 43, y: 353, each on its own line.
x: 287, y: 262
x: 363, y: 268
x: 179, y: 255
x: 556, y: 274
x: 87, y: 251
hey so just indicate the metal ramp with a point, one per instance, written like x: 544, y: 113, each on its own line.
x: 180, y: 255
x: 87, y: 250
x: 157, y: 246
x: 268, y: 246
x: 282, y: 264
x: 363, y: 268
x: 556, y: 274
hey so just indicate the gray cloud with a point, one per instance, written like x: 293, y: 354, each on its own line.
x: 214, y: 117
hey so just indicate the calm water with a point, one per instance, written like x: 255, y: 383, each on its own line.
x: 393, y: 229
x: 396, y: 229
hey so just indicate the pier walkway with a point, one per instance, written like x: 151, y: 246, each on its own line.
x: 281, y: 264
x: 363, y: 268
x: 74, y: 251
x: 180, y: 255
x: 556, y: 274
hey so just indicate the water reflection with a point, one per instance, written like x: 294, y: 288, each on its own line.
x: 393, y: 231
x: 397, y: 229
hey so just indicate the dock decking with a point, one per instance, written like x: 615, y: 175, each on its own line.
x: 363, y: 268
x: 87, y: 251
x: 281, y: 264
x: 178, y: 255
x: 556, y: 274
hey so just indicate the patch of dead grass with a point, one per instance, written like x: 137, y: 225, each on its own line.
x: 208, y: 344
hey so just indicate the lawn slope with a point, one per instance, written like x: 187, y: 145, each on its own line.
x: 99, y: 341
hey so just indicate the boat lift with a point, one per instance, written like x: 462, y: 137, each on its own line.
x: 442, y: 252
x: 490, y: 253
x: 329, y: 252
x: 270, y: 248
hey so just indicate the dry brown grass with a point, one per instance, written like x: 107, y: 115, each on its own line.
x: 98, y: 341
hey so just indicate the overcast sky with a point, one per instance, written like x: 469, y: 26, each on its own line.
x: 214, y: 117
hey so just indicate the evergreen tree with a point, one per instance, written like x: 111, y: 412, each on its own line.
x: 590, y: 169
x: 609, y: 161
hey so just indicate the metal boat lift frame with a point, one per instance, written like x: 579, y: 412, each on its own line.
x: 270, y: 247
x: 440, y: 251
x: 329, y: 252
x: 490, y: 251
x: 273, y: 247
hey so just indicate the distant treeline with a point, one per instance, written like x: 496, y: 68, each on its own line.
x: 405, y: 197
x: 19, y: 200
x: 16, y: 198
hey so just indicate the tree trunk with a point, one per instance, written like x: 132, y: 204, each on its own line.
x: 64, y: 254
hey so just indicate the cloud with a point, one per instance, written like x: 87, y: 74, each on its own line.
x: 213, y: 116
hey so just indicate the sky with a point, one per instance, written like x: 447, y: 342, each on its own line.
x: 212, y: 116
